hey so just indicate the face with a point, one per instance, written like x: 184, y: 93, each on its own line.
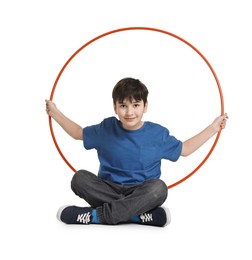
x: 130, y: 113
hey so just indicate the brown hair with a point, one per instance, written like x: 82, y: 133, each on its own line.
x: 130, y: 88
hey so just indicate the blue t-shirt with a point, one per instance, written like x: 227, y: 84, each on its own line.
x: 130, y: 156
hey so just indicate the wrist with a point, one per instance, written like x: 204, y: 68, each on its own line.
x: 212, y: 129
x: 56, y: 114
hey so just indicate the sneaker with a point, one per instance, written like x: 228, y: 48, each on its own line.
x: 159, y: 217
x: 75, y: 215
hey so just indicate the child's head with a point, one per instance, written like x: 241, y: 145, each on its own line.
x: 129, y: 89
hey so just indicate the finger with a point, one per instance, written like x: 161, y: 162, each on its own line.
x: 223, y: 124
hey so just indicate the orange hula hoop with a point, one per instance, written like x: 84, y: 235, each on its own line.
x: 149, y: 29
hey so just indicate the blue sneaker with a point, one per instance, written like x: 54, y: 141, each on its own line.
x: 75, y: 215
x: 159, y: 217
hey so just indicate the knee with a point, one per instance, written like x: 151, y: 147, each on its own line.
x: 79, y: 179
x: 159, y: 191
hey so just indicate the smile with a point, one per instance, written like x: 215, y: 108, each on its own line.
x: 129, y: 118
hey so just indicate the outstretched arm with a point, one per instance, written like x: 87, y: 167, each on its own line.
x: 73, y: 129
x: 194, y: 143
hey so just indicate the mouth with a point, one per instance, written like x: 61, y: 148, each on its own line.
x: 130, y: 119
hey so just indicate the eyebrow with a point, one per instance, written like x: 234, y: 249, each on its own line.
x: 134, y: 102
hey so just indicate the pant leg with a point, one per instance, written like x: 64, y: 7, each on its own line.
x: 94, y: 190
x: 137, y: 199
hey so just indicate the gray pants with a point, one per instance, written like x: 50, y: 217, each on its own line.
x: 118, y: 203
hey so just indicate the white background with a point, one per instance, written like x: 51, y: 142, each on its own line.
x: 211, y: 211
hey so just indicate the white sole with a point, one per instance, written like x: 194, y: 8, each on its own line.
x: 60, y: 211
x: 168, y: 216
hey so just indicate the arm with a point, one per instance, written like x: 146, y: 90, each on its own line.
x: 70, y: 127
x: 194, y: 143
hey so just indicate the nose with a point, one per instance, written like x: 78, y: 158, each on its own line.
x: 129, y: 111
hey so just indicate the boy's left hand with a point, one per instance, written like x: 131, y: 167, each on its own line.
x: 220, y: 122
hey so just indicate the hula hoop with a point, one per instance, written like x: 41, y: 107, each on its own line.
x: 148, y: 29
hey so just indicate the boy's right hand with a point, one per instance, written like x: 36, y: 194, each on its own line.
x: 73, y: 129
x: 50, y: 107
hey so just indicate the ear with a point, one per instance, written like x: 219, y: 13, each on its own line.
x: 146, y: 107
x: 115, y: 108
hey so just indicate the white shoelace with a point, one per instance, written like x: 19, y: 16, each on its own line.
x: 146, y: 217
x: 84, y: 218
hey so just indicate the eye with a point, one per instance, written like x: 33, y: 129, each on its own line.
x: 136, y: 105
x: 122, y: 106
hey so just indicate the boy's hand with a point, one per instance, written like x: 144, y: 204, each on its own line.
x: 73, y: 129
x: 220, y: 122
x: 50, y: 107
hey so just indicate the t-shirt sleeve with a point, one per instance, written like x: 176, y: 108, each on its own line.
x: 172, y: 147
x: 96, y: 136
x: 91, y: 136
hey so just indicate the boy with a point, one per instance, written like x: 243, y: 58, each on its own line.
x: 128, y: 188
